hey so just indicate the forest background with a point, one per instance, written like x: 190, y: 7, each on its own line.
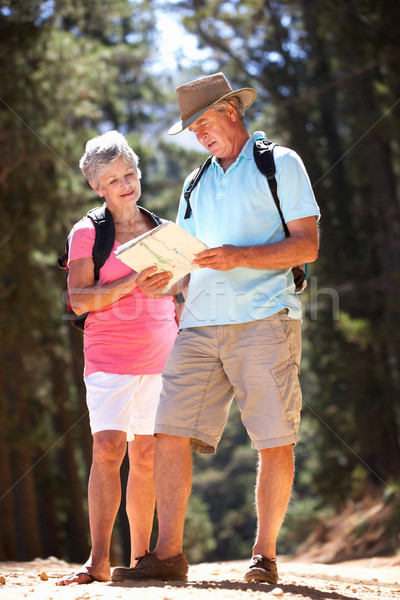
x: 328, y: 86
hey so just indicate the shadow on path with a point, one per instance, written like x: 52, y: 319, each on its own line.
x: 300, y: 590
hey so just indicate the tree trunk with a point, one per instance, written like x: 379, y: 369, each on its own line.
x: 50, y: 525
x: 77, y: 521
x: 337, y: 217
x: 385, y: 217
x: 22, y: 461
x: 27, y: 513
x: 77, y: 366
x: 8, y: 539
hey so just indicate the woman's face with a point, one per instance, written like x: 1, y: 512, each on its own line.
x: 119, y: 185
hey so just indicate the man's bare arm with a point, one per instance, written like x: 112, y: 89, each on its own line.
x: 301, y: 247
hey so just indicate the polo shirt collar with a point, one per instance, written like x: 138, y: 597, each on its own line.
x: 247, y: 150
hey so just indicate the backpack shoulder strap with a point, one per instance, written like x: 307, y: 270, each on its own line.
x: 63, y: 259
x: 263, y: 151
x: 105, y: 236
x: 198, y: 175
x: 156, y: 220
x: 264, y: 159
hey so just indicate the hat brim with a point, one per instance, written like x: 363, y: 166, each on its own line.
x: 247, y: 95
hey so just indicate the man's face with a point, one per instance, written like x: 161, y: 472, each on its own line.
x: 216, y: 132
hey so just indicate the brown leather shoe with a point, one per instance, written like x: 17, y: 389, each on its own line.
x: 262, y: 569
x: 151, y: 567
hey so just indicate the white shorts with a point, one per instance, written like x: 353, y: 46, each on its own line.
x: 123, y: 402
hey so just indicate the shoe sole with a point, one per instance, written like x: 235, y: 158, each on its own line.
x: 151, y: 577
x: 261, y: 576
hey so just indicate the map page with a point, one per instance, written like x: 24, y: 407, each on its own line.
x: 168, y: 246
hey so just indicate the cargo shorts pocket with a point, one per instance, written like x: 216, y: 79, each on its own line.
x: 287, y: 383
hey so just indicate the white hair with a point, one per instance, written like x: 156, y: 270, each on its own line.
x: 102, y: 151
x: 221, y: 106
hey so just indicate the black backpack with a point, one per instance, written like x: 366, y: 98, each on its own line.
x: 264, y: 158
x: 103, y: 244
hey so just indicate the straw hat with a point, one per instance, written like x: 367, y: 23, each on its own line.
x: 199, y: 95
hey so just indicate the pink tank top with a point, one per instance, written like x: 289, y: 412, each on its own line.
x: 132, y: 336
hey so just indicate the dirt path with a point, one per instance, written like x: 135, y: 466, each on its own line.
x: 367, y: 579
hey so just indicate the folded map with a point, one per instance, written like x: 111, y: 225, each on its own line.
x: 168, y: 247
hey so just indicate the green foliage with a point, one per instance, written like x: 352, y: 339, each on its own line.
x: 166, y: 162
x: 198, y: 539
x: 304, y: 514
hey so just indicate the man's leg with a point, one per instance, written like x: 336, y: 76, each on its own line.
x: 274, y: 485
x: 273, y: 489
x: 140, y: 494
x: 173, y: 479
x: 109, y: 449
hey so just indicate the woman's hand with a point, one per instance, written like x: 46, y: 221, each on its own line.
x: 154, y: 286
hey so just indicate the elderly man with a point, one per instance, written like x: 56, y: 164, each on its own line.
x: 240, y: 328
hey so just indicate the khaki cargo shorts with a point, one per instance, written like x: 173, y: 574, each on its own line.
x: 256, y: 362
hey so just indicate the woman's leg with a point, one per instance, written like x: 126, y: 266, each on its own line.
x: 109, y: 449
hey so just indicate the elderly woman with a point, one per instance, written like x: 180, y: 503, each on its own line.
x: 127, y: 339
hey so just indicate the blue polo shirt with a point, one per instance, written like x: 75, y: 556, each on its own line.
x: 237, y: 207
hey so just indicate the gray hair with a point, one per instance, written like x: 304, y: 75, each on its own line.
x: 102, y: 151
x: 239, y: 105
